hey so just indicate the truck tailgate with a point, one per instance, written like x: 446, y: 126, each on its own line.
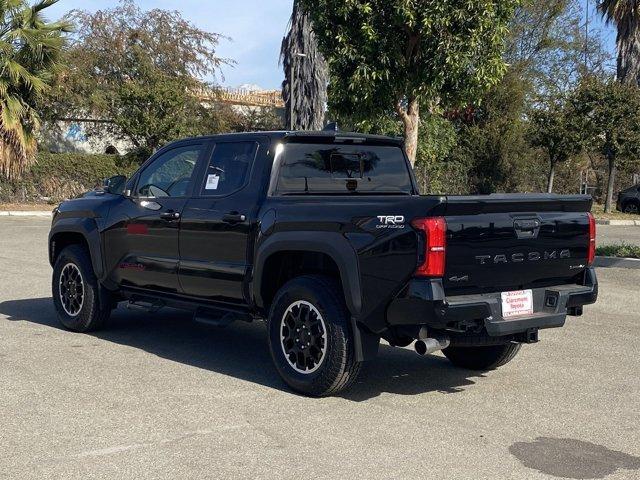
x: 515, y: 242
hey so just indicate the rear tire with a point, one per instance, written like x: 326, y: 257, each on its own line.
x: 482, y: 358
x: 75, y: 289
x: 310, y: 337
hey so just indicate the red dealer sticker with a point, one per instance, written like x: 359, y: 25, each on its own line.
x: 517, y: 304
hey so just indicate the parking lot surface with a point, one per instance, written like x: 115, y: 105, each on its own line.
x: 157, y: 396
x: 608, y: 234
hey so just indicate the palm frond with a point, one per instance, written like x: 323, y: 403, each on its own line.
x: 617, y: 11
x: 13, y: 110
x: 625, y: 15
x: 30, y: 49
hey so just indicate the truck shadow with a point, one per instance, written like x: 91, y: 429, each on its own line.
x: 241, y: 351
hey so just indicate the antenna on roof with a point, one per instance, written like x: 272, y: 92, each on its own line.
x: 331, y: 127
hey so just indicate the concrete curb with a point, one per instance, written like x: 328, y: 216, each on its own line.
x: 20, y: 213
x: 621, y: 223
x: 615, y: 262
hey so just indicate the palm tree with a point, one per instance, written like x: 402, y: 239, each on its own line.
x: 625, y: 14
x: 30, y: 49
x: 304, y: 64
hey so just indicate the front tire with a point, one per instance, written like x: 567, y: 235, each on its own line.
x: 75, y: 290
x: 310, y: 337
x: 631, y: 208
x: 482, y: 358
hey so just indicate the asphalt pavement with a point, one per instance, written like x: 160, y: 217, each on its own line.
x: 610, y: 234
x: 155, y: 396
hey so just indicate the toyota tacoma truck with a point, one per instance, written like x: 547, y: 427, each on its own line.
x: 325, y: 236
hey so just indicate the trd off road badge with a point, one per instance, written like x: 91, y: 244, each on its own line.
x: 390, y: 221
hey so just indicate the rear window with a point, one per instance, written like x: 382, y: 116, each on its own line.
x: 339, y: 169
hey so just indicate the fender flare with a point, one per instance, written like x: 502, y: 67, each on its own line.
x: 334, y: 245
x: 86, y: 227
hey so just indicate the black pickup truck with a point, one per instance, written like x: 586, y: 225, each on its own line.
x: 326, y: 237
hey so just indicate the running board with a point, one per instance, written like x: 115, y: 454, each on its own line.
x: 149, y: 307
x: 219, y: 319
x: 146, y: 298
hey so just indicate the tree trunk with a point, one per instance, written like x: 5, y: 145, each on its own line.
x: 411, y: 120
x: 610, y: 184
x: 628, y: 67
x: 552, y: 175
x: 306, y: 77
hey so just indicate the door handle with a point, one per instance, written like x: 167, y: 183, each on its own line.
x: 234, y: 217
x: 170, y: 215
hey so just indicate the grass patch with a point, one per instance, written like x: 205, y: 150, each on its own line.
x: 598, y: 212
x: 621, y: 250
x: 25, y: 207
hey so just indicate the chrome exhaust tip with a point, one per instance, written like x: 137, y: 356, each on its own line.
x: 428, y: 346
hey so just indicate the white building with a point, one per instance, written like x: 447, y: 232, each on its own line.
x: 71, y: 134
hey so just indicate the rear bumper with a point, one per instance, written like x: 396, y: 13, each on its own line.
x: 423, y: 302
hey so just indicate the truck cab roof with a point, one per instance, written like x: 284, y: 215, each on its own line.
x: 321, y: 136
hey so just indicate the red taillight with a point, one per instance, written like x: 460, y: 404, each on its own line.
x: 591, y: 255
x: 435, y: 239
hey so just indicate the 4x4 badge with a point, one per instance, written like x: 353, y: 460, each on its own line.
x: 459, y: 279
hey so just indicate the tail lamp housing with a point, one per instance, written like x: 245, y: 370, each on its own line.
x: 591, y: 252
x: 434, y: 230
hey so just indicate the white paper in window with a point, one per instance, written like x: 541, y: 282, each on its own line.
x: 212, y: 182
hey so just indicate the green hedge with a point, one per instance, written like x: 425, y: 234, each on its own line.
x: 623, y: 250
x: 84, y: 168
x: 56, y: 176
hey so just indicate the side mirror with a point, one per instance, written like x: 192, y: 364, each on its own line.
x: 114, y: 185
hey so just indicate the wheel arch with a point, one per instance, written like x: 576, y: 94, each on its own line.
x: 72, y: 231
x: 311, y: 247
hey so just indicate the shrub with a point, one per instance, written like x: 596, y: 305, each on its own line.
x: 623, y: 250
x: 56, y: 176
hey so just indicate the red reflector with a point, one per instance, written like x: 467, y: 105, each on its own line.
x: 591, y: 255
x: 435, y: 239
x: 137, y: 229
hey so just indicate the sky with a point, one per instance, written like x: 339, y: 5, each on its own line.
x: 256, y: 28
x: 598, y: 26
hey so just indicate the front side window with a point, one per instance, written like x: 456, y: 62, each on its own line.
x: 228, y: 168
x: 170, y: 174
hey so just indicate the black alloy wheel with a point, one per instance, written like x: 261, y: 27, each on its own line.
x: 71, y: 289
x: 303, y: 337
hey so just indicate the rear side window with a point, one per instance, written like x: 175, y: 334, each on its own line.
x: 340, y: 169
x: 228, y: 168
